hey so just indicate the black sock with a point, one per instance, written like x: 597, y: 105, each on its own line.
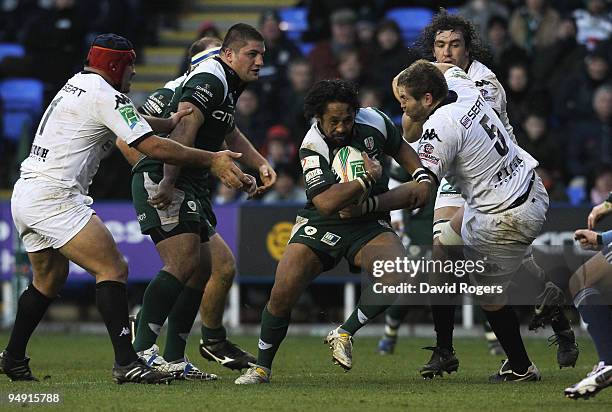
x: 560, y: 323
x: 31, y: 308
x: 444, y: 323
x: 596, y: 314
x: 111, y: 299
x: 505, y: 324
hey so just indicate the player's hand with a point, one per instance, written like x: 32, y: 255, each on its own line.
x: 587, y: 239
x: 421, y: 192
x: 176, y: 117
x: 227, y: 171
x: 597, y: 213
x: 250, y: 189
x: 351, y: 211
x: 372, y: 166
x: 163, y: 198
x: 268, y: 178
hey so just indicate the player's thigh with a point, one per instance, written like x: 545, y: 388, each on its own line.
x: 180, y: 254
x: 385, y: 246
x: 298, y: 266
x: 223, y: 261
x: 94, y: 249
x: 49, y: 271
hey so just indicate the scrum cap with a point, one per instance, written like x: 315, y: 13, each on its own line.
x: 111, y: 53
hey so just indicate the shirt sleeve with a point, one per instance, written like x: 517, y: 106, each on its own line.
x: 394, y: 137
x: 438, y: 146
x: 117, y: 112
x: 317, y: 172
x: 458, y: 80
x: 157, y: 102
x: 205, y: 91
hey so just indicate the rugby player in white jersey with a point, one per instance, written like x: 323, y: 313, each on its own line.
x: 453, y: 39
x: 51, y: 210
x: 464, y: 139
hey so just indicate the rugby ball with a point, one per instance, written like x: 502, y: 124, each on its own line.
x: 348, y: 164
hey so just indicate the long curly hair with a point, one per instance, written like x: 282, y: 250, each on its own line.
x: 444, y: 21
x: 327, y: 91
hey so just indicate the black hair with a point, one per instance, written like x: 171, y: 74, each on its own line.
x: 328, y: 91
x: 444, y: 21
x: 238, y: 35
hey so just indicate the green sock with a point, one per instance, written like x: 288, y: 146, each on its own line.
x: 180, y: 321
x: 210, y: 336
x: 360, y: 316
x: 273, y: 331
x: 159, y: 297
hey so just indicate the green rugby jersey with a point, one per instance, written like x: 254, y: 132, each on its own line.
x: 213, y: 87
x: 373, y: 133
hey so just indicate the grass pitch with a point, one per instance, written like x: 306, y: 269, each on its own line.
x: 78, y: 368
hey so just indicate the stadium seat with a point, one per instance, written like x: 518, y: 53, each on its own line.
x: 11, y: 49
x: 22, y: 101
x: 411, y: 21
x: 294, y: 21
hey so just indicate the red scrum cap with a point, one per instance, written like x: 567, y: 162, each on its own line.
x: 111, y: 53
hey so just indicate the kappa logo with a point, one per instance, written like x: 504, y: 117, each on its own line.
x: 369, y: 142
x: 121, y: 100
x: 309, y: 230
x: 124, y: 332
x: 430, y: 134
x: 192, y: 205
x: 330, y: 238
x: 141, y: 217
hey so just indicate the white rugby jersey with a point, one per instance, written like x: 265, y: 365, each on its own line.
x: 492, y: 91
x: 79, y: 128
x: 467, y: 143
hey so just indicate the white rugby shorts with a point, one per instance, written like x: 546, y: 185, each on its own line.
x: 505, y: 237
x: 46, y: 214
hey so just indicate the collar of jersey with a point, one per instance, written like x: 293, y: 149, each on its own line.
x: 233, y: 81
x: 451, y: 97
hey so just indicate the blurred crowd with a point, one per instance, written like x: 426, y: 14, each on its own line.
x: 552, y: 57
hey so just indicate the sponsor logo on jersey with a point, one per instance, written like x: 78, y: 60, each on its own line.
x: 192, y: 205
x: 429, y: 158
x: 130, y: 115
x: 480, y: 83
x: 309, y: 230
x: 476, y: 108
x: 141, y: 217
x: 310, y: 162
x: 466, y: 121
x: 313, y: 174
x: 223, y: 116
x: 121, y: 100
x: 369, y: 142
x: 428, y: 148
x: 69, y: 88
x: 39, y: 153
x: 430, y: 134
x: 330, y: 238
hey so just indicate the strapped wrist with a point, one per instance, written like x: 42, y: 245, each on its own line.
x: 370, y: 205
x: 420, y: 175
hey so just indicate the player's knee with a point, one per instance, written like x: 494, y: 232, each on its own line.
x: 182, y: 270
x: 444, y: 234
